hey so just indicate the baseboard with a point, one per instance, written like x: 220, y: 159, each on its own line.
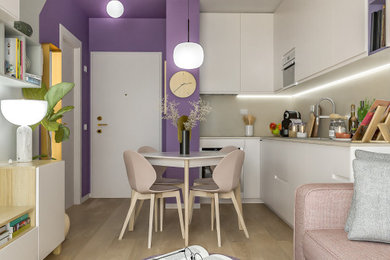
x: 85, y: 198
x: 229, y: 201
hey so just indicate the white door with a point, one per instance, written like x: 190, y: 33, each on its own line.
x: 126, y: 96
x: 71, y: 149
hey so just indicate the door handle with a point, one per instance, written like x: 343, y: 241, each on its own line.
x: 102, y: 124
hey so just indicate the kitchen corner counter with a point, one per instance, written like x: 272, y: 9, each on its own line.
x: 323, y: 141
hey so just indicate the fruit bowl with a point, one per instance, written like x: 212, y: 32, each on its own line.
x: 275, y: 129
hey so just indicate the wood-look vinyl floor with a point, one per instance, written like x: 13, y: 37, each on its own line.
x: 96, y: 224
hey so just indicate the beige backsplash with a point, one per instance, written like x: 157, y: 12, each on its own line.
x: 225, y: 118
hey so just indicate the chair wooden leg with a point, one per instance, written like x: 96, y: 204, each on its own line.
x: 152, y: 197
x: 191, y: 206
x: 212, y: 213
x: 162, y: 205
x: 132, y: 217
x: 179, y: 210
x: 129, y: 213
x: 155, y: 215
x: 216, y: 198
x: 239, y: 214
x: 135, y: 215
x: 237, y: 193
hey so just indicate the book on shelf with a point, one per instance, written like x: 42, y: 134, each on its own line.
x: 19, y: 219
x: 20, y: 230
x: 14, y: 57
x: 33, y: 79
x: 378, y: 29
x: 4, y: 234
x: 191, y: 252
x: 4, y: 240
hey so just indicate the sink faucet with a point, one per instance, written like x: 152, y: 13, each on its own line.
x: 318, y: 116
x: 318, y: 109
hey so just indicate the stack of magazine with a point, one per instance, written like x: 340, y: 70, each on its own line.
x: 190, y: 253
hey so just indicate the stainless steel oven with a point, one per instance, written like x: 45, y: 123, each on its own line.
x: 289, y: 68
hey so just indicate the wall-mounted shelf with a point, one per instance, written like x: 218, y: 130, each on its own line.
x: 31, y: 49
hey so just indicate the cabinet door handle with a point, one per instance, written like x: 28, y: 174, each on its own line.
x: 280, y: 179
x: 340, y: 178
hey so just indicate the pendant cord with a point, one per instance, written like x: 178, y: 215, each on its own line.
x: 188, y: 20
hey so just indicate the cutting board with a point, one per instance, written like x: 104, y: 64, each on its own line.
x: 310, y: 124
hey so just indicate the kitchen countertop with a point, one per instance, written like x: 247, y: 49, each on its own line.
x: 319, y: 141
x: 322, y: 141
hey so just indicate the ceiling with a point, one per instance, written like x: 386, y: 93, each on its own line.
x: 156, y: 8
x: 239, y: 6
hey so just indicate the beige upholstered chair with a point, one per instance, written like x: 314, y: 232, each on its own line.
x: 159, y: 181
x: 200, y: 181
x: 226, y: 178
x: 237, y: 191
x: 142, y: 177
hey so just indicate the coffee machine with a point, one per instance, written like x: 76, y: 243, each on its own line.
x: 288, y: 117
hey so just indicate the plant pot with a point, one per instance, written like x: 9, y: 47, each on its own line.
x: 185, y: 142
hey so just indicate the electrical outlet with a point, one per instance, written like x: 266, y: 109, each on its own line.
x: 243, y: 112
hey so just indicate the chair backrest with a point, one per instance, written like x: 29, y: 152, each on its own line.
x: 228, y: 171
x: 140, y: 172
x: 159, y: 169
x: 226, y: 149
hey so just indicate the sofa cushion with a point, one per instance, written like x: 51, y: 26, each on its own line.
x: 334, y: 244
x: 372, y: 198
x: 366, y: 156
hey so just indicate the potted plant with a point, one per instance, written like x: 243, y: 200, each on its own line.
x: 200, y: 109
x: 51, y: 121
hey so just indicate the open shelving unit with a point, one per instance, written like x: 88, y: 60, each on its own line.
x: 31, y: 49
x: 17, y: 196
x: 378, y: 33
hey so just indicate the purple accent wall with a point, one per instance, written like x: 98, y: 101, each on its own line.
x: 176, y: 28
x: 70, y: 15
x: 133, y: 34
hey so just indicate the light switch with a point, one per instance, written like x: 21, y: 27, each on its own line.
x: 85, y: 127
x: 85, y: 68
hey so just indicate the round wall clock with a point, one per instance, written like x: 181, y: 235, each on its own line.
x: 182, y: 84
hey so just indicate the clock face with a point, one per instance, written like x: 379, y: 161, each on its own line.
x: 182, y: 84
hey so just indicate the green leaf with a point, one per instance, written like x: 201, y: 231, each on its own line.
x: 60, y: 113
x: 62, y: 134
x: 35, y: 93
x: 56, y: 93
x: 50, y: 125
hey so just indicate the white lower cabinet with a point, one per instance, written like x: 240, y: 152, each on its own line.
x: 286, y: 165
x: 250, y: 178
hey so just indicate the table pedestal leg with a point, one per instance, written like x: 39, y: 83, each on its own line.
x: 185, y: 195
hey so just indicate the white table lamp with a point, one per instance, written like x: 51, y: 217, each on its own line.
x: 23, y: 112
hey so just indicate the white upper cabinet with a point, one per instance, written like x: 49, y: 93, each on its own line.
x: 329, y: 33
x: 9, y: 10
x: 257, y: 52
x: 220, y: 39
x: 238, y: 53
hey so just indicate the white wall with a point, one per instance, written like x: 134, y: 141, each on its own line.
x: 29, y: 13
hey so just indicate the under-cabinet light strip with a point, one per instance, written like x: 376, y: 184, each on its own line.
x: 324, y: 86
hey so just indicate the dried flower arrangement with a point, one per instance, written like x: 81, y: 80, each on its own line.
x: 200, y: 109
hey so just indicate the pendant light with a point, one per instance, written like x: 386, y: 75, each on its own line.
x: 188, y: 55
x: 115, y: 8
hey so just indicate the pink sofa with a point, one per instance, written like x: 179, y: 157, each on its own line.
x: 321, y: 211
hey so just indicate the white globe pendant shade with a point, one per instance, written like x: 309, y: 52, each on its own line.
x: 188, y: 55
x: 23, y: 111
x: 115, y: 8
